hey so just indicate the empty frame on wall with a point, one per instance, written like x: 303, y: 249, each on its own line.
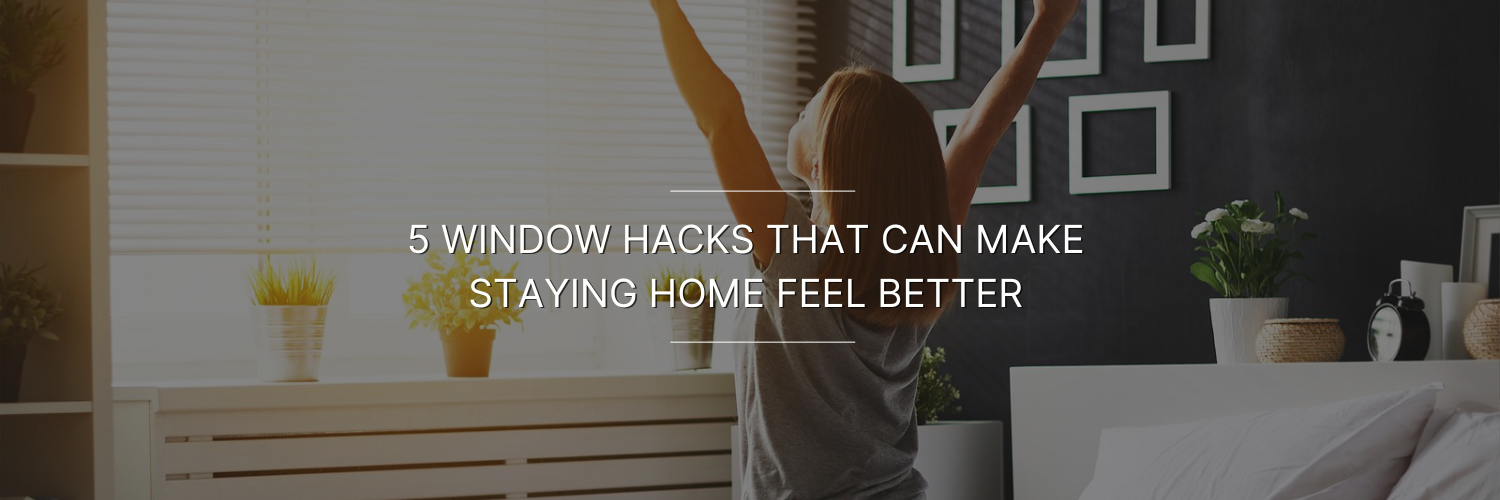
x: 1181, y: 52
x: 1021, y: 191
x: 1159, y: 180
x: 945, y: 68
x: 1093, y: 26
x: 900, y: 41
x: 1090, y: 64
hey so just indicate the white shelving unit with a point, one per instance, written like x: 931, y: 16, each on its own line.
x: 40, y: 160
x: 46, y: 408
x: 58, y: 440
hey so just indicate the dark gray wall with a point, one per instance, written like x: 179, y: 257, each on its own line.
x: 1378, y: 118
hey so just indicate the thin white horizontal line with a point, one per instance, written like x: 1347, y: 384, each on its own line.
x: 762, y: 341
x: 762, y: 190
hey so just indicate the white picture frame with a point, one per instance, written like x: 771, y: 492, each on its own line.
x: 1479, y: 223
x: 1154, y: 52
x: 1093, y: 26
x: 1160, y: 180
x: 944, y: 69
x: 1021, y: 191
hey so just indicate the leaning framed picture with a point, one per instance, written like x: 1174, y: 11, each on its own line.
x: 1480, y: 261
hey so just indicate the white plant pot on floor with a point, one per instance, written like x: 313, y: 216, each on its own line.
x: 1238, y: 321
x: 961, y: 460
x: 289, y: 342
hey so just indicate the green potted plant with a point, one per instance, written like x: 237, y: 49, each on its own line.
x: 1246, y: 257
x: 290, y: 311
x: 30, y: 46
x: 440, y: 300
x: 28, y: 310
x: 956, y: 457
x: 935, y: 392
x: 690, y: 328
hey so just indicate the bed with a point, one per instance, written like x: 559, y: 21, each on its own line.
x: 1057, y: 413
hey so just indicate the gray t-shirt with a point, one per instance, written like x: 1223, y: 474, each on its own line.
x: 824, y: 420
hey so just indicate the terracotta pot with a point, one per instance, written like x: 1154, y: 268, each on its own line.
x: 467, y: 353
x: 12, y: 359
x: 15, y: 120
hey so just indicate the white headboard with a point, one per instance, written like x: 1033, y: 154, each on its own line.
x: 1058, y: 411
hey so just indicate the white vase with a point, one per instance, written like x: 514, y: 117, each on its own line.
x: 289, y: 341
x: 683, y: 324
x: 1427, y: 283
x: 1459, y: 300
x: 1238, y: 321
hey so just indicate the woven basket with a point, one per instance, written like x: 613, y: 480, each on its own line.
x: 1300, y: 340
x: 1482, y: 330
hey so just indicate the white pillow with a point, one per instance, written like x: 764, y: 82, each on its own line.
x: 1460, y: 460
x: 1352, y: 449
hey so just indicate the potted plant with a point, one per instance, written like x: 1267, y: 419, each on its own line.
x: 935, y: 392
x: 1247, y: 254
x: 958, y: 458
x: 30, y: 46
x: 290, y: 309
x: 441, y: 300
x: 28, y: 310
x: 691, y: 328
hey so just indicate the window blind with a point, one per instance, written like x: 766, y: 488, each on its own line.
x: 276, y: 126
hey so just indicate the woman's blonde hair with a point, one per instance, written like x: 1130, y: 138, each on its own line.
x: 878, y: 141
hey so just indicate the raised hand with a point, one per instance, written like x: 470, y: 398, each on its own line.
x: 744, y: 172
x: 1056, y: 10
x: 997, y: 105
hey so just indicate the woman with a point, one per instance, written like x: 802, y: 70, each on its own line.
x: 838, y: 420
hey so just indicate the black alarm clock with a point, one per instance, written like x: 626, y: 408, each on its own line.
x: 1398, y: 328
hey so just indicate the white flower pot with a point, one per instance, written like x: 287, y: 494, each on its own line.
x: 962, y: 460
x: 683, y: 324
x: 1237, y: 322
x: 289, y: 342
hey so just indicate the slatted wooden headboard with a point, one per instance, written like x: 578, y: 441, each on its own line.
x: 579, y: 437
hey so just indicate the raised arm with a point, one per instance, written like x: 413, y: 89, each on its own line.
x: 991, y: 114
x: 715, y: 102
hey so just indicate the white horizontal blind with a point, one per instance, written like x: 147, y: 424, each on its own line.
x: 267, y: 126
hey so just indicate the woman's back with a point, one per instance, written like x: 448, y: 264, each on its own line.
x: 837, y: 420
x: 824, y: 420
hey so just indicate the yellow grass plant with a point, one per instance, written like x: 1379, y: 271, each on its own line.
x: 298, y: 283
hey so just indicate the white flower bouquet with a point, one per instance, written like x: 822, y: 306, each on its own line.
x: 1245, y: 253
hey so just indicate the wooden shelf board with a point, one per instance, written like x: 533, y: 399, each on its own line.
x: 38, y: 160
x: 46, y: 407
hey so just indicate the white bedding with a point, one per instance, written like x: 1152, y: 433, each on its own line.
x: 1058, y: 412
x: 1351, y: 449
x: 1460, y: 459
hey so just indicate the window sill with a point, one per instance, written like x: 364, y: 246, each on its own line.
x: 247, y: 394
